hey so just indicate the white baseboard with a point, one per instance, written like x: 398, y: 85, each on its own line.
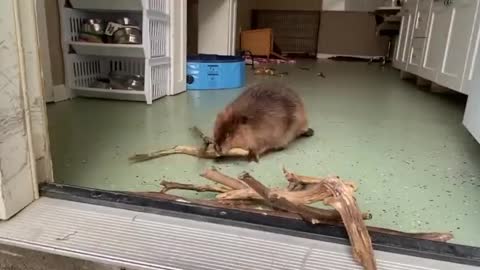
x: 326, y: 56
x: 61, y: 93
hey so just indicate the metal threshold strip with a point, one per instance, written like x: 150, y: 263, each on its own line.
x: 150, y: 241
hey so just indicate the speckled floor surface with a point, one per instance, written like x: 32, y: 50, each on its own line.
x: 417, y: 166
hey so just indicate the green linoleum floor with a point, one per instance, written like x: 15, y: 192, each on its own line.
x: 417, y: 167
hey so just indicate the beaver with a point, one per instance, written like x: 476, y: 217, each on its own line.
x: 265, y: 117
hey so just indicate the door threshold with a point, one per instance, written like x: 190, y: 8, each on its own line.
x: 142, y: 240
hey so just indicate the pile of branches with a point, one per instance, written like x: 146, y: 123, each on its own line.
x: 293, y: 201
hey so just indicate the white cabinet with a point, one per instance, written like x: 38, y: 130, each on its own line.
x: 415, y: 55
x: 402, y: 46
x: 471, y: 119
x: 419, y: 36
x: 458, y: 43
x: 470, y: 82
x: 436, y: 41
x: 448, y: 42
x: 420, y: 26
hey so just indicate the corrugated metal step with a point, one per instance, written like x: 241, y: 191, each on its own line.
x: 150, y: 241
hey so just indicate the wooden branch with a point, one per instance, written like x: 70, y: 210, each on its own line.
x: 432, y: 236
x: 296, y: 179
x: 208, y: 153
x: 167, y: 185
x: 275, y: 201
x: 214, y: 175
x: 253, y: 207
x: 344, y: 202
x: 246, y: 193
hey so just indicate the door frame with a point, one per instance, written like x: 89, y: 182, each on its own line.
x: 25, y: 152
x: 178, y: 47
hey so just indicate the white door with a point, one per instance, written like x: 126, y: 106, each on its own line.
x: 437, y: 40
x: 18, y: 185
x: 178, y: 46
x: 462, y: 17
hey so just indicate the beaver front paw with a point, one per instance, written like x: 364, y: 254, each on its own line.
x: 253, y: 156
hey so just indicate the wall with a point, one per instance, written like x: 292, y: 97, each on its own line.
x: 338, y: 5
x: 362, y: 5
x: 349, y: 33
x: 212, y: 35
x: 53, y: 30
x: 192, y: 27
x: 245, y: 7
x: 288, y: 4
x: 244, y: 14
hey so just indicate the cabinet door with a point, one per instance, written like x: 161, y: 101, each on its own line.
x: 405, y: 36
x: 415, y: 55
x: 399, y: 56
x: 469, y: 82
x: 440, y: 21
x: 420, y: 29
x: 462, y: 17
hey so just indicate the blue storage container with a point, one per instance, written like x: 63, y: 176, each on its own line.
x: 208, y: 71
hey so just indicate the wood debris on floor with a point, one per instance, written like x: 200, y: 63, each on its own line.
x: 294, y: 201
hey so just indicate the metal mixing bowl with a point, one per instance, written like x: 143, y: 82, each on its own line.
x: 92, y: 30
x: 118, y: 79
x: 126, y: 21
x: 93, y: 26
x: 103, y: 83
x: 136, y: 82
x: 127, y: 35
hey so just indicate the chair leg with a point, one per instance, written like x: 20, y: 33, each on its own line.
x: 387, y: 56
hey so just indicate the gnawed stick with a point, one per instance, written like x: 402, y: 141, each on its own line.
x: 293, y: 178
x: 207, y: 151
x: 344, y: 202
x: 277, y: 202
x: 167, y: 185
x: 244, y: 192
x: 310, y: 194
x: 214, y: 175
x: 195, y: 151
x: 432, y: 236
